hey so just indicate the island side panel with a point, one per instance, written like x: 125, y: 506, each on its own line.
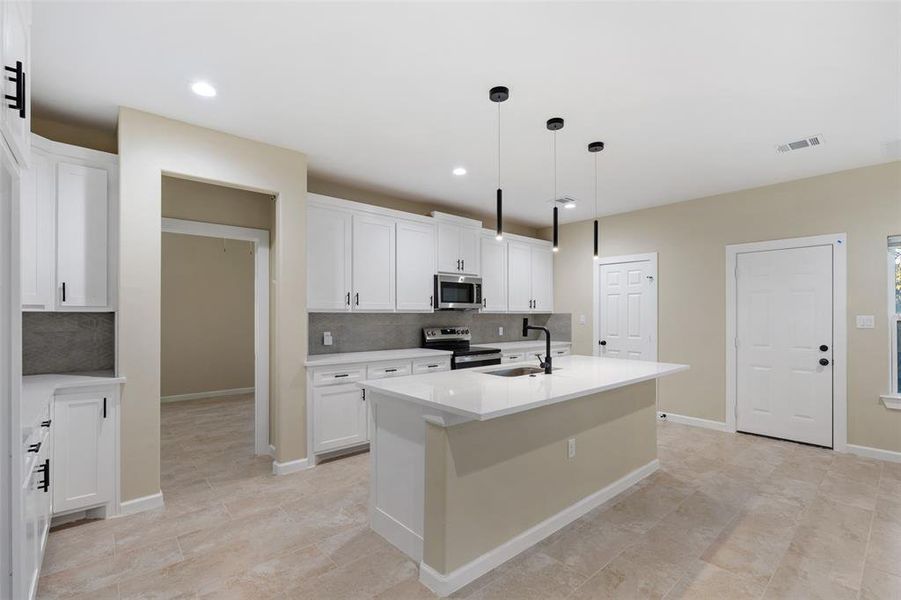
x: 504, y: 476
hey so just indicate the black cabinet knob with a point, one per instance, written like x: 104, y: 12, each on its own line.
x: 824, y: 361
x: 823, y: 347
x: 603, y: 342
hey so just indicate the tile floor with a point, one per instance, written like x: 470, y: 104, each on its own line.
x: 727, y: 516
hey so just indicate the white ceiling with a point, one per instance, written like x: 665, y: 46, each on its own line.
x: 691, y: 98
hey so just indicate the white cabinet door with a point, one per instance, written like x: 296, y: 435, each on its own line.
x: 339, y: 417
x: 415, y: 266
x: 83, y: 450
x: 373, y: 263
x: 494, y: 274
x: 15, y: 96
x: 329, y: 258
x: 519, y: 277
x: 542, y: 279
x: 470, y: 250
x: 82, y: 221
x: 38, y: 187
x: 448, y: 248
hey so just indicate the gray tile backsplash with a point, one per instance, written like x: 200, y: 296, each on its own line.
x: 67, y: 342
x: 356, y: 332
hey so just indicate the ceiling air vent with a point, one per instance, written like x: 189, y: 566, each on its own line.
x: 809, y: 142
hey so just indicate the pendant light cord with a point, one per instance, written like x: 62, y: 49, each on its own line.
x: 555, y: 168
x: 595, y: 185
x: 498, y: 145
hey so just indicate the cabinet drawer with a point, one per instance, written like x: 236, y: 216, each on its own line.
x: 560, y: 351
x: 388, y: 369
x: 430, y: 365
x: 515, y: 357
x: 338, y: 375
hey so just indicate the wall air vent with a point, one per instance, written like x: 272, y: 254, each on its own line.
x: 808, y: 142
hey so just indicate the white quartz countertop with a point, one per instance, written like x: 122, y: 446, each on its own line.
x: 474, y: 394
x: 505, y: 346
x: 346, y: 358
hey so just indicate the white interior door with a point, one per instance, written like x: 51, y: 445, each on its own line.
x: 784, y: 344
x: 627, y: 310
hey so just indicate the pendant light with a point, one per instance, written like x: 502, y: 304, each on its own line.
x: 499, y: 94
x: 595, y: 147
x: 555, y: 124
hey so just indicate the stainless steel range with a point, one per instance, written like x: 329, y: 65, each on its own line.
x: 457, y: 340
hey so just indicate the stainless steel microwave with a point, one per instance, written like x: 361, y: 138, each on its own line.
x: 458, y: 292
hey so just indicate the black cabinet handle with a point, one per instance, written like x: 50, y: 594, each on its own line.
x: 19, y: 98
x: 431, y: 300
x: 390, y: 370
x: 824, y: 348
x: 45, y: 423
x: 824, y: 361
x: 104, y: 408
x: 432, y: 366
x: 34, y: 448
x: 340, y: 375
x: 44, y: 486
x: 64, y: 291
x: 462, y: 264
x: 603, y: 342
x: 348, y: 298
x: 357, y: 298
x: 364, y: 394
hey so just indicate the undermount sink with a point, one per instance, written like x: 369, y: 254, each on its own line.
x: 516, y: 371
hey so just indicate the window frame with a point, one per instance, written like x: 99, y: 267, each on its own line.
x: 894, y: 317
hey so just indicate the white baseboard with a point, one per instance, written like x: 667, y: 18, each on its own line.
x: 402, y: 537
x: 151, y: 502
x: 693, y: 421
x: 213, y: 394
x: 878, y: 453
x: 292, y: 466
x: 444, y: 585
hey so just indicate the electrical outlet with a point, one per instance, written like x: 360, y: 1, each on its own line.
x: 500, y: 331
x: 327, y: 339
x: 571, y: 448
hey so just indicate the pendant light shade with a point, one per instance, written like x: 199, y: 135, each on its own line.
x: 555, y: 124
x: 595, y: 147
x: 497, y: 95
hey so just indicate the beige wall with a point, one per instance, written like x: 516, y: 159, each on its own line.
x: 690, y: 238
x: 77, y: 134
x: 418, y: 207
x: 201, y: 201
x: 150, y: 146
x: 489, y: 481
x: 207, y: 323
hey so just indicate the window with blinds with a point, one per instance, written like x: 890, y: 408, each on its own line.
x: 894, y: 261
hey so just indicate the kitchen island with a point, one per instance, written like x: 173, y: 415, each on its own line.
x: 470, y: 467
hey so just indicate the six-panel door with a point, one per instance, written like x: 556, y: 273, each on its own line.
x: 340, y: 419
x: 83, y: 451
x: 626, y: 310
x: 82, y: 246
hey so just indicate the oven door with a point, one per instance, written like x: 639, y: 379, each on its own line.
x: 475, y: 360
x: 457, y: 292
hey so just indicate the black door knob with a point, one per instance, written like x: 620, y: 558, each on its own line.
x: 824, y: 361
x: 603, y: 342
x: 823, y: 347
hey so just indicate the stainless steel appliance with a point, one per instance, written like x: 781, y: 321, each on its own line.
x: 458, y: 292
x: 457, y: 340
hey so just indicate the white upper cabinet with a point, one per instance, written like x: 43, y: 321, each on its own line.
x: 458, y: 248
x: 15, y: 89
x: 36, y: 210
x: 329, y: 247
x: 519, y: 277
x: 542, y: 279
x: 69, y: 222
x: 494, y: 274
x: 530, y: 277
x: 82, y: 222
x: 373, y: 263
x: 415, y: 266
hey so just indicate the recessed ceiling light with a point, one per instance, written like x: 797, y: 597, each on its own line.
x: 202, y: 88
x: 570, y: 204
x: 459, y: 171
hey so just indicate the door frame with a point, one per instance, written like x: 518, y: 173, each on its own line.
x: 838, y: 241
x: 260, y: 240
x: 613, y: 260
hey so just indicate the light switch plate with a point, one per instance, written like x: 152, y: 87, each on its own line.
x: 866, y: 321
x: 327, y: 338
x: 500, y: 331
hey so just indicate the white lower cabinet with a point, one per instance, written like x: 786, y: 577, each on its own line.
x: 84, y: 450
x: 339, y: 417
